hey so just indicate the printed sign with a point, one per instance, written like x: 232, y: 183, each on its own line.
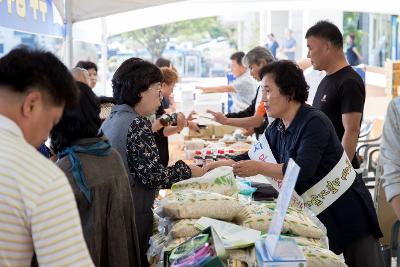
x: 34, y: 16
x: 287, y: 189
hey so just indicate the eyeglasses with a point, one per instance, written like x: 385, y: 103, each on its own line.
x: 157, y: 86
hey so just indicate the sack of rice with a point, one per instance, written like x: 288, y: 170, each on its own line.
x: 193, y: 204
x: 184, y: 228
x: 305, y: 241
x: 258, y: 216
x: 298, y: 223
x: 255, y: 215
x: 321, y: 257
x: 219, y: 180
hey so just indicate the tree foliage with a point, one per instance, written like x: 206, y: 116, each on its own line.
x: 156, y: 38
x: 351, y: 21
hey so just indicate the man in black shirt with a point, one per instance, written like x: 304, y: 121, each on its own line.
x: 341, y: 94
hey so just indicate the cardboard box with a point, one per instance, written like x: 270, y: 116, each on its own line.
x: 204, y: 132
x: 221, y: 130
x: 213, y: 131
x: 217, y: 245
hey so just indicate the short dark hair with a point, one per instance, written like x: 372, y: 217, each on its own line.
x: 238, y: 57
x: 328, y: 31
x: 79, y: 121
x: 289, y: 78
x: 23, y: 69
x: 87, y: 65
x: 133, y: 77
x: 163, y: 62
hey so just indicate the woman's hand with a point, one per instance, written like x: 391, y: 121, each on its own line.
x: 190, y: 116
x: 180, y: 121
x: 216, y: 164
x: 218, y: 116
x: 193, y: 126
x: 197, y: 171
x: 246, y: 168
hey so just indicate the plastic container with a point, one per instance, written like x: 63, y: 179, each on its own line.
x: 198, y: 158
x: 209, y: 157
x: 231, y: 154
x: 221, y: 155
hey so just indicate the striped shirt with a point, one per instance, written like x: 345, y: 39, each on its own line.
x: 37, y: 207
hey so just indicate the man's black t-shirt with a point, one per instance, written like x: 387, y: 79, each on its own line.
x: 339, y: 93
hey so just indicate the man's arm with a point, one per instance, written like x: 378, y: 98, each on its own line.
x: 351, y: 124
x: 390, y: 156
x: 395, y: 202
x: 217, y: 89
x: 249, y: 111
x: 248, y: 122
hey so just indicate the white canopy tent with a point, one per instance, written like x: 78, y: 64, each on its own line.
x: 95, y: 20
x: 89, y: 9
x: 117, y: 16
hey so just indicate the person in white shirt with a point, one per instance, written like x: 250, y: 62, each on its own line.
x: 243, y: 89
x: 38, y: 213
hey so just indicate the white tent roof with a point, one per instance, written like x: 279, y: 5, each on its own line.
x: 88, y: 9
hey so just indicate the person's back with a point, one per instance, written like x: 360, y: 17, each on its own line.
x: 351, y: 56
x: 99, y: 181
x: 108, y: 220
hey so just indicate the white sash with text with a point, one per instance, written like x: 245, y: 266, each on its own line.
x: 331, y: 187
x: 321, y: 195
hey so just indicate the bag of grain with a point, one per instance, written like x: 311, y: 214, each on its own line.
x: 184, y: 228
x: 321, y: 257
x: 258, y: 216
x: 219, y: 180
x: 305, y: 241
x: 194, y: 204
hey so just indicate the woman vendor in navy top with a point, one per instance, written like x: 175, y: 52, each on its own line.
x: 306, y: 135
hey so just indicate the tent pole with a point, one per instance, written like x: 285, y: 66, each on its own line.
x: 68, y: 34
